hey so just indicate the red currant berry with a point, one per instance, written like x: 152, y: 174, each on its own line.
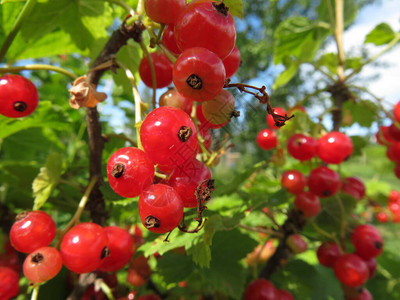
x: 327, y: 254
x: 294, y: 181
x: 9, y: 258
x: 396, y: 111
x: 353, y: 186
x: 232, y: 62
x: 323, y: 182
x: 383, y: 137
x: 204, y: 123
x: 32, y: 230
x: 162, y: 69
x: 174, y: 99
x: 364, y: 295
x: 334, y: 147
x: 199, y: 74
x: 382, y: 217
x: 185, y: 181
x: 351, y: 270
x: 394, y: 196
x: 160, y: 208
x: 164, y: 11
x: 129, y: 171
x: 371, y: 264
x: 121, y: 246
x: 206, y: 24
x: 270, y: 120
x: 367, y: 241
x: 307, y: 203
x: 9, y: 286
x: 18, y: 96
x: 296, y: 243
x: 302, y: 147
x: 394, y: 132
x: 267, y: 139
x: 261, y: 289
x: 168, y: 39
x: 284, y: 295
x: 139, y: 271
x: 220, y: 109
x: 393, y: 152
x: 169, y: 137
x: 83, y: 247
x: 43, y: 264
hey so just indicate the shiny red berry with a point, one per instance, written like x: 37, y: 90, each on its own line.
x: 162, y: 69
x: 367, y: 241
x: 43, y: 264
x: 232, y: 62
x: 394, y: 131
x: 294, y: 181
x: 334, y: 147
x: 199, y: 74
x: 168, y: 39
x: 351, y: 270
x: 284, y: 295
x: 394, y: 196
x: 160, y: 208
x: 9, y: 286
x: 169, y: 137
x: 323, y: 182
x: 270, y: 120
x: 206, y: 24
x: 382, y: 217
x: 353, y: 186
x: 129, y: 171
x: 139, y: 271
x: 83, y: 247
x: 164, y: 11
x: 267, y: 139
x: 261, y: 289
x: 327, y: 253
x: 18, y: 96
x: 307, y: 203
x: 174, y: 99
x: 121, y: 247
x: 302, y: 147
x: 32, y: 230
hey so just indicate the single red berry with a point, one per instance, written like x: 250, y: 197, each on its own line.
x: 371, y: 264
x: 327, y: 254
x: 267, y: 139
x: 383, y: 136
x: 162, y: 69
x: 121, y: 246
x: 139, y: 271
x: 9, y: 258
x: 206, y: 24
x: 32, y: 230
x: 232, y: 62
x: 270, y: 120
x: 323, y: 182
x: 294, y: 181
x: 18, y: 96
x: 164, y: 11
x: 284, y: 295
x: 382, y: 217
x: 203, y: 122
x: 9, y: 286
x: 174, y: 99
x: 169, y: 137
x: 199, y: 74
x: 394, y: 132
x: 396, y: 111
x: 185, y: 181
x: 334, y: 147
x: 83, y: 247
x: 160, y: 208
x: 353, y: 186
x: 307, y: 203
x: 394, y: 207
x: 394, y: 196
x: 261, y: 289
x: 351, y: 270
x: 363, y: 295
x: 296, y: 243
x: 367, y: 241
x: 220, y: 109
x: 302, y: 147
x: 43, y: 264
x: 129, y: 171
x: 393, y: 152
x: 168, y: 39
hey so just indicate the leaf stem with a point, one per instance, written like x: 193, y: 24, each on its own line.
x: 26, y: 10
x: 38, y: 67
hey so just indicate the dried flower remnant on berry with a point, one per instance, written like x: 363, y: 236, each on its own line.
x: 84, y: 94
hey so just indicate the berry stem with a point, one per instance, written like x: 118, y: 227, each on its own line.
x: 153, y: 72
x: 343, y: 222
x: 38, y: 67
x: 35, y: 292
x: 26, y: 10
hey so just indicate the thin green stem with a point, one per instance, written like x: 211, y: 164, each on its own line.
x: 26, y: 10
x: 124, y: 5
x: 322, y: 71
x: 269, y: 231
x: 343, y: 221
x: 153, y: 72
x: 389, y: 46
x: 35, y: 292
x: 39, y: 67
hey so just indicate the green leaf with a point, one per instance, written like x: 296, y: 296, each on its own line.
x: 47, y: 179
x: 380, y: 35
x: 174, y: 267
x: 201, y: 254
x: 326, y: 10
x: 235, y: 7
x: 286, y: 75
x: 328, y: 60
x: 362, y: 112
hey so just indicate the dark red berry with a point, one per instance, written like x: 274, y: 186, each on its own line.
x: 327, y: 254
x: 307, y: 203
x: 294, y: 181
x: 367, y: 241
x: 9, y: 286
x: 302, y: 147
x: 334, y: 147
x: 267, y: 139
x: 353, y: 186
x: 351, y: 270
x: 232, y: 62
x: 363, y: 295
x: 164, y: 11
x: 162, y: 69
x: 284, y: 295
x: 261, y: 289
x: 323, y: 182
x: 169, y: 41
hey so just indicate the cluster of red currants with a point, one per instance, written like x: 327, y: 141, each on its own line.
x: 265, y: 290
x: 354, y: 269
x: 392, y: 212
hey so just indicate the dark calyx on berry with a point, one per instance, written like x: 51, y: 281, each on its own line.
x: 20, y: 106
x: 378, y: 245
x: 37, y: 258
x: 21, y: 216
x: 184, y: 133
x: 235, y: 114
x: 327, y: 193
x: 194, y: 82
x: 118, y: 170
x: 105, y: 252
x: 151, y: 222
x: 221, y: 8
